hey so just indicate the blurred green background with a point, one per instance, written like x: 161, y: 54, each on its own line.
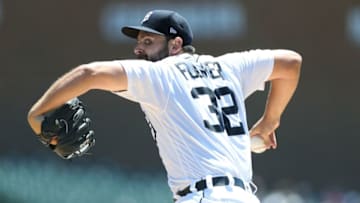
x: 317, y: 158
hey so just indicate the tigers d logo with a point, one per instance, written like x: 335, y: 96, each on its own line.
x: 147, y: 16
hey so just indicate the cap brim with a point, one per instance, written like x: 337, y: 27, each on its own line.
x: 133, y: 31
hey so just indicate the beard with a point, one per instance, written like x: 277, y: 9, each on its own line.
x: 163, y: 53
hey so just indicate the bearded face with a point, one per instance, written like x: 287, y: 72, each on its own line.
x: 151, y: 47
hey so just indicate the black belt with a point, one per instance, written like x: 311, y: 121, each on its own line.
x: 216, y: 181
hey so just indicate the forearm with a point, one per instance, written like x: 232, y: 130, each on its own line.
x: 108, y: 76
x: 284, y: 80
x: 280, y: 93
x: 72, y: 84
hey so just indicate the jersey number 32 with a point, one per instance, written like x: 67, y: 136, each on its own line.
x: 223, y: 112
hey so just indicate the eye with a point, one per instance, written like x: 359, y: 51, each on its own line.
x: 147, y: 42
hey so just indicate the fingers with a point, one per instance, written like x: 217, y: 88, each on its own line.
x: 273, y: 140
x: 269, y: 138
x: 268, y: 142
x: 54, y: 140
x: 265, y: 129
x: 255, y: 130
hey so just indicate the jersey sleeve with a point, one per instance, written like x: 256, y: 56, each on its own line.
x: 253, y: 68
x: 146, y: 82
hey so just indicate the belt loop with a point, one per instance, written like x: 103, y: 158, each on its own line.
x: 193, y: 187
x: 253, y: 187
x: 176, y: 197
x: 209, y: 182
x: 231, y: 179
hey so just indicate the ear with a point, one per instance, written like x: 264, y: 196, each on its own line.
x: 175, y: 46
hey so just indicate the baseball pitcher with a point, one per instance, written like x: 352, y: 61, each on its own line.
x: 193, y: 103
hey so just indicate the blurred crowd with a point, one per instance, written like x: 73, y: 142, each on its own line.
x: 24, y: 181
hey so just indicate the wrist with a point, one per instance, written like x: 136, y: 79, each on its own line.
x: 35, y: 123
x: 272, y: 120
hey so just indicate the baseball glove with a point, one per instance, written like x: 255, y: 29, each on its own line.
x: 66, y: 130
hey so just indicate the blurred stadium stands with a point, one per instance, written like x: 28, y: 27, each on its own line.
x: 35, y: 181
x: 317, y: 160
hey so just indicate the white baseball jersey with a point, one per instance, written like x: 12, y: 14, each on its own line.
x: 195, y: 105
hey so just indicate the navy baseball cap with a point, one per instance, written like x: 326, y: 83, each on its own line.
x: 163, y: 22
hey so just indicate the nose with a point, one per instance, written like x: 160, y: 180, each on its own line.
x: 138, y: 50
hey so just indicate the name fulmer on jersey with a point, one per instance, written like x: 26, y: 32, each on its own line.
x: 200, y: 70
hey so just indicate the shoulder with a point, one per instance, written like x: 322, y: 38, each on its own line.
x: 246, y: 54
x: 134, y: 63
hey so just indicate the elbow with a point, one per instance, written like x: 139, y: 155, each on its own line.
x: 287, y: 58
x: 287, y: 65
x: 297, y: 62
x: 293, y: 63
x: 294, y: 59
